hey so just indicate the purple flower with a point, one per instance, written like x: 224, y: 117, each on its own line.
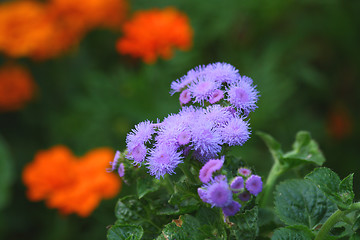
x: 243, y: 95
x: 254, y: 184
x: 244, y: 171
x: 219, y: 194
x: 217, y: 115
x: 216, y: 96
x: 191, y: 76
x: 140, y: 135
x: 185, y: 96
x: 115, y: 162
x: 237, y: 184
x: 138, y: 153
x: 163, y: 159
x: 207, y: 170
x: 205, y: 138
x: 184, y: 137
x: 121, y: 170
x: 244, y: 196
x: 235, y: 132
x: 203, y: 195
x: 202, y: 89
x: 231, y: 209
x: 222, y: 72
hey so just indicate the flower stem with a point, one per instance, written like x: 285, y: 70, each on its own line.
x: 333, y: 219
x: 185, y: 168
x: 276, y: 170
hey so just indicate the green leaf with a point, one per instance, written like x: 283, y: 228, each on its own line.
x: 300, y: 202
x: 293, y: 232
x: 6, y: 173
x: 147, y: 185
x: 273, y: 145
x: 340, y: 192
x: 184, y: 228
x: 125, y: 232
x: 211, y: 220
x: 245, y: 225
x: 129, y: 210
x: 346, y: 190
x: 305, y: 150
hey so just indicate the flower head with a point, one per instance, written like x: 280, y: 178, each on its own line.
x: 231, y: 209
x: 207, y: 170
x: 139, y: 136
x: 153, y: 33
x: 185, y: 96
x: 114, y: 163
x: 244, y: 171
x: 244, y: 196
x: 121, y: 170
x: 202, y: 89
x: 219, y: 194
x: 216, y: 96
x: 237, y: 184
x: 235, y: 132
x: 16, y: 87
x: 254, y: 184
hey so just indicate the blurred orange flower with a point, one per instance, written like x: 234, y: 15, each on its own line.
x: 41, y: 31
x: 71, y: 184
x: 16, y: 87
x: 154, y: 33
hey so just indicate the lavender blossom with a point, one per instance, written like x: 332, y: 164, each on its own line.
x: 219, y: 194
x: 183, y: 82
x: 244, y: 196
x: 202, y: 89
x: 121, y: 170
x: 115, y: 162
x: 244, y: 171
x: 203, y: 195
x: 254, y: 184
x: 163, y: 159
x: 216, y: 96
x: 237, y: 184
x: 235, y: 132
x: 222, y: 72
x: 207, y: 170
x: 185, y: 96
x: 231, y: 209
x: 140, y: 135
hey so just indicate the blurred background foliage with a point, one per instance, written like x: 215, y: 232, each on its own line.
x: 304, y: 57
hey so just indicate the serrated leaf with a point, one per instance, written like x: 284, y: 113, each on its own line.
x: 184, y: 198
x: 305, y: 150
x: 273, y: 145
x: 146, y: 185
x: 211, y: 219
x: 6, y: 173
x: 129, y: 210
x: 346, y: 190
x: 245, y: 225
x: 184, y: 228
x: 125, y: 232
x: 329, y: 183
x: 300, y: 202
x: 293, y: 232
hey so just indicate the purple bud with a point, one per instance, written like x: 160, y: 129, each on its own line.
x: 139, y: 153
x: 121, y: 170
x: 185, y: 96
x: 244, y: 196
x: 244, y: 171
x: 114, y: 162
x: 203, y: 195
x: 207, y: 170
x: 231, y: 209
x: 254, y: 184
x: 219, y: 194
x: 237, y: 184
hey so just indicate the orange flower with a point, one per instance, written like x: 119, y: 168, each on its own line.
x: 16, y: 87
x: 154, y: 33
x: 72, y: 185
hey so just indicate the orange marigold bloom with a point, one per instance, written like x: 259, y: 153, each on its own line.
x: 16, y: 87
x: 154, y: 33
x: 73, y: 185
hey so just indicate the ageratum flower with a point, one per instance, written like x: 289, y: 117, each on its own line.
x: 231, y: 209
x: 235, y: 132
x: 237, y: 184
x: 254, y: 184
x: 207, y: 170
x: 163, y: 160
x: 219, y: 194
x: 243, y: 95
x: 203, y: 88
x: 244, y: 171
x: 244, y: 196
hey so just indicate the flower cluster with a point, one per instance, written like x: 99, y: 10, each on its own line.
x: 72, y: 185
x: 218, y: 192
x: 45, y: 30
x: 155, y: 32
x: 16, y: 87
x: 211, y: 83
x: 196, y: 132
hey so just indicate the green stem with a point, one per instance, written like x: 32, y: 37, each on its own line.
x: 276, y: 170
x: 185, y: 168
x: 169, y: 184
x: 333, y: 219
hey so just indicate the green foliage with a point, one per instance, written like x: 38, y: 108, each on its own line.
x: 6, y: 174
x: 340, y: 192
x: 293, y: 232
x: 300, y: 202
x: 125, y: 232
x: 245, y: 225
